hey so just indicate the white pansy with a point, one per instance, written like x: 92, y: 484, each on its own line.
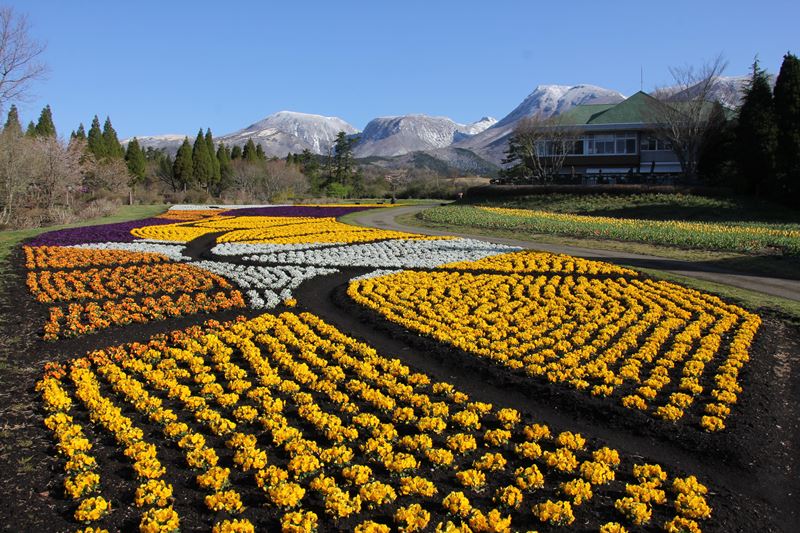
x: 236, y: 248
x: 376, y: 273
x: 173, y: 251
x: 265, y: 286
x: 398, y: 253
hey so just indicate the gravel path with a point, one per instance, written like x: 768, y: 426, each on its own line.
x: 785, y: 288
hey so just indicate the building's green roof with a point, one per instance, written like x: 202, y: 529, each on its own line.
x: 634, y: 110
x: 582, y: 114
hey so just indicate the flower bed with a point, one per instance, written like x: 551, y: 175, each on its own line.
x: 652, y: 346
x: 318, y: 430
x: 734, y: 237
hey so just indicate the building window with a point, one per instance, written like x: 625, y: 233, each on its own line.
x: 611, y: 144
x: 652, y: 144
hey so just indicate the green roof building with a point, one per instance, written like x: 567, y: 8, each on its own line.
x: 618, y: 140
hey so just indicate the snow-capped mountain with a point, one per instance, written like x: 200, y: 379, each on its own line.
x: 289, y: 131
x: 546, y: 101
x: 169, y: 142
x: 393, y: 136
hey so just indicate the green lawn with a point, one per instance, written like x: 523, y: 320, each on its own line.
x: 9, y: 239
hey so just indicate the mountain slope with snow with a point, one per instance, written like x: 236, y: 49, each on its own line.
x: 169, y: 142
x: 289, y: 131
x: 393, y: 136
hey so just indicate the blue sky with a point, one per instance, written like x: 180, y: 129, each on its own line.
x: 173, y: 67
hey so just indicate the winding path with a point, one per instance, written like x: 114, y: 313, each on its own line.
x: 773, y: 286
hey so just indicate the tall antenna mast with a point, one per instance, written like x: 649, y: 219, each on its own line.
x: 641, y: 78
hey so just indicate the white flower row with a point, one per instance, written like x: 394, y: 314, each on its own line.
x: 390, y: 254
x: 376, y: 273
x: 236, y: 248
x: 173, y: 251
x: 265, y: 286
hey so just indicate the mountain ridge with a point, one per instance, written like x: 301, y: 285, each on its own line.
x: 399, y: 135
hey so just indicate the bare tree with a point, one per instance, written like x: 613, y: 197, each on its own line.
x: 59, y: 173
x: 19, y: 56
x: 538, y: 148
x: 265, y: 181
x: 16, y: 166
x: 686, y: 114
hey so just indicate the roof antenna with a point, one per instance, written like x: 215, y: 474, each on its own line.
x: 641, y: 78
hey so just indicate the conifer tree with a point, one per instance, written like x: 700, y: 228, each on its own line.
x: 212, y: 153
x: 756, y: 135
x: 182, y: 168
x: 260, y: 155
x: 80, y: 133
x: 236, y: 152
x: 113, y: 147
x: 249, y: 152
x: 12, y: 125
x: 31, y: 131
x: 95, y: 141
x: 45, y: 126
x: 202, y: 168
x: 134, y: 158
x: 225, y: 169
x: 787, y: 115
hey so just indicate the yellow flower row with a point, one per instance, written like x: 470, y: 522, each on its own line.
x: 318, y: 230
x: 533, y: 262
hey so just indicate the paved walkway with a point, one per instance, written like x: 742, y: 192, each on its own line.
x: 785, y: 288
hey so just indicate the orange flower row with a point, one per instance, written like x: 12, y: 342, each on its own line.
x: 49, y: 286
x: 63, y: 257
x: 80, y: 319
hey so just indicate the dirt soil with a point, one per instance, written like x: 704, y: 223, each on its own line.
x: 751, y: 467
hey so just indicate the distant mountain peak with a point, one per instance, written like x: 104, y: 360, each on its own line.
x: 292, y: 131
x: 401, y: 134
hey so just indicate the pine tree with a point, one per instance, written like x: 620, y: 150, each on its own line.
x: 236, y: 152
x: 756, y: 135
x: 212, y: 153
x: 45, y: 126
x: 95, y: 141
x: 31, y: 131
x: 114, y: 149
x: 224, y: 159
x: 787, y: 115
x: 343, y: 157
x: 249, y: 152
x: 12, y: 125
x: 80, y: 134
x: 202, y: 168
x: 260, y: 155
x: 182, y: 168
x: 134, y: 158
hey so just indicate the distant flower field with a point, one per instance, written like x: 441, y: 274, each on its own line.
x: 733, y: 237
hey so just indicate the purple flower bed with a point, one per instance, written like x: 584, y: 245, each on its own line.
x: 297, y: 211
x: 117, y: 232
